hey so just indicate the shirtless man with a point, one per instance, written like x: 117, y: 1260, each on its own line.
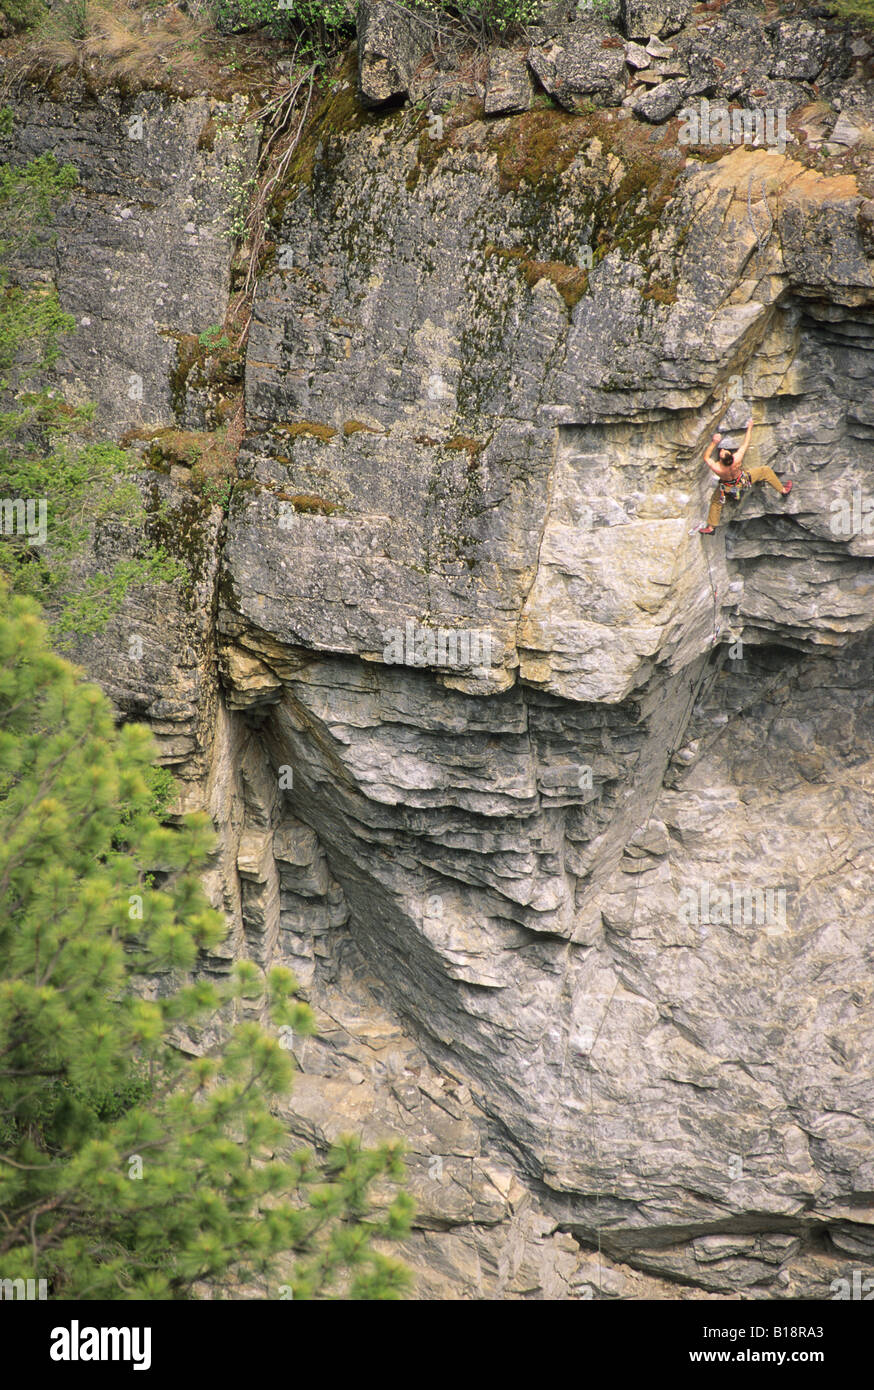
x: 733, y: 477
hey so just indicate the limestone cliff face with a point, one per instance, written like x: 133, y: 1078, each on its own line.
x: 532, y: 469
x: 480, y: 377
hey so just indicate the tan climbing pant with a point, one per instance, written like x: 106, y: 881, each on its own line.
x: 757, y: 475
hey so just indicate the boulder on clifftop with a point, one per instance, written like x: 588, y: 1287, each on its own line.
x: 582, y: 61
x: 659, y: 103
x: 510, y: 86
x: 391, y: 43
x: 643, y: 18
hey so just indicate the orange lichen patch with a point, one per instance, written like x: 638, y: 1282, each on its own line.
x: 779, y: 172
x: 305, y: 502
x: 462, y: 444
x: 661, y: 294
x: 208, y: 453
x: 782, y: 180
x: 571, y: 281
x: 298, y: 428
x: 354, y: 426
x: 208, y: 132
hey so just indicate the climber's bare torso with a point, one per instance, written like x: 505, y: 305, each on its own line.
x: 727, y: 473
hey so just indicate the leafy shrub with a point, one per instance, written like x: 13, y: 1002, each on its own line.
x: 490, y: 20
x: 318, y: 26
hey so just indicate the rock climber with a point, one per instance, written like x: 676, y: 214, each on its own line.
x: 734, y: 478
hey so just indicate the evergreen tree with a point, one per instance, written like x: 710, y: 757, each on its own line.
x: 127, y: 1168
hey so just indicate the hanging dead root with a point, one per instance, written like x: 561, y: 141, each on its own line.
x: 284, y: 116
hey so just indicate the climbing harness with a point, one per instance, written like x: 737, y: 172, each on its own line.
x: 733, y: 487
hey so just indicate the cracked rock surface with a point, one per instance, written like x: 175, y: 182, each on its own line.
x: 584, y: 917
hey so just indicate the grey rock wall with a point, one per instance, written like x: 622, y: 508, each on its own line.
x: 582, y: 896
x: 525, y: 850
x: 141, y: 251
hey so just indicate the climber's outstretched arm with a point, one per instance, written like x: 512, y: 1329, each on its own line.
x: 711, y: 464
x: 738, y: 458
